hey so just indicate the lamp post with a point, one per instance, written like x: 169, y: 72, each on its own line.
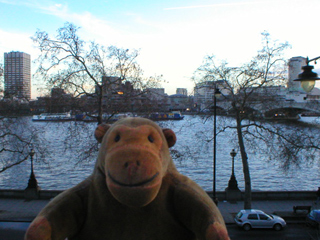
x: 216, y: 95
x: 32, y: 191
x: 307, y: 77
x: 233, y: 184
x: 233, y: 193
x: 32, y: 183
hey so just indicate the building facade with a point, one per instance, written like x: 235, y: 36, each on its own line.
x: 294, y: 68
x: 204, y: 93
x: 110, y: 85
x: 182, y: 91
x: 17, y: 75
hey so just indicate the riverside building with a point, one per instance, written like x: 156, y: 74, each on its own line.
x: 17, y: 75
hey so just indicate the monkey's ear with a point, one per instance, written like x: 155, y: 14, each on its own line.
x: 170, y: 136
x: 100, y: 131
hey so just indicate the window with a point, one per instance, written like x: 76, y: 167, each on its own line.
x: 253, y: 216
x: 263, y: 217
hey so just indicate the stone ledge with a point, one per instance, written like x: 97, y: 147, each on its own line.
x: 272, y: 195
x: 13, y: 193
x: 256, y: 195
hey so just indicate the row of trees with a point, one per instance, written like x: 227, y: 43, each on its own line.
x: 68, y: 62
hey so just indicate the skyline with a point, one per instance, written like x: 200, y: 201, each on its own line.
x: 174, y: 36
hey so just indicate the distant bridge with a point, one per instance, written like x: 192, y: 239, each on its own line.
x: 283, y: 109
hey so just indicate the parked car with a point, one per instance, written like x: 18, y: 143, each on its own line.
x: 313, y: 218
x: 254, y: 218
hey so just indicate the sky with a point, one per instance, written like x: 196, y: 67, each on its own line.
x: 173, y: 36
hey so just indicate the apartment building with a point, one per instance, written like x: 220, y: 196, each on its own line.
x: 17, y: 75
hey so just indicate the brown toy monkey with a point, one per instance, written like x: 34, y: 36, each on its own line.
x: 134, y: 193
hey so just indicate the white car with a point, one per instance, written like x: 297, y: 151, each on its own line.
x: 253, y: 218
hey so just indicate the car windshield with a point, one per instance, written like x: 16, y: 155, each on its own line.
x: 239, y: 215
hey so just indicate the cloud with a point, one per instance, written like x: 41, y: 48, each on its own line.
x: 91, y: 26
x: 55, y: 9
x: 11, y: 41
x: 33, y: 4
x: 216, y: 5
x: 5, y: 2
x: 15, y: 2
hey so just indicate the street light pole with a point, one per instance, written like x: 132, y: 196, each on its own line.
x: 233, y: 193
x: 32, y: 190
x: 233, y: 154
x: 216, y: 94
x: 214, y: 148
x: 233, y: 184
x: 31, y: 158
x: 32, y: 183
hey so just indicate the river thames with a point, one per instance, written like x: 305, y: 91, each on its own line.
x: 63, y: 170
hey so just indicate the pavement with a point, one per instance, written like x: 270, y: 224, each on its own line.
x: 16, y: 214
x: 21, y: 210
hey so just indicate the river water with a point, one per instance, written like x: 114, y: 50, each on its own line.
x: 63, y: 170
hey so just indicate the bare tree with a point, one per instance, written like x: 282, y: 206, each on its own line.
x: 17, y: 137
x: 90, y: 69
x: 109, y: 78
x: 243, y: 87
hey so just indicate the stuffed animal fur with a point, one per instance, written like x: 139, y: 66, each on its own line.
x: 134, y: 193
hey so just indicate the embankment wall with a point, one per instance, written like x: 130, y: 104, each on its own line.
x: 256, y: 195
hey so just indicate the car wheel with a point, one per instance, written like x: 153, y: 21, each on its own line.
x: 246, y: 227
x: 277, y: 227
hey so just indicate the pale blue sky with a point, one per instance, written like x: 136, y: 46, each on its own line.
x: 174, y: 35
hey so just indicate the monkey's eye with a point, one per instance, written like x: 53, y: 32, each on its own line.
x: 150, y: 138
x: 117, y: 138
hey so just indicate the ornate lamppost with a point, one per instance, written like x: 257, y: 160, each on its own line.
x: 32, y: 183
x: 216, y: 95
x: 307, y: 77
x: 233, y: 193
x: 233, y: 184
x: 32, y: 190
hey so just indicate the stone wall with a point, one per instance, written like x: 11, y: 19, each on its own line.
x: 256, y: 195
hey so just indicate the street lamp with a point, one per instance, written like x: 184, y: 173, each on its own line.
x: 32, y: 190
x: 216, y: 95
x: 307, y: 77
x: 233, y: 184
x: 32, y: 183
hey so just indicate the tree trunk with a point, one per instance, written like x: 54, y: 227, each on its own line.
x: 245, y: 166
x: 100, y: 111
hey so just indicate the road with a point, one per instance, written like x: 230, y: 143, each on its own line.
x: 16, y: 230
x: 291, y: 232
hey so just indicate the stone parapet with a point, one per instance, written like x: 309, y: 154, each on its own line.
x: 271, y: 195
x: 42, y: 194
x: 221, y: 195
